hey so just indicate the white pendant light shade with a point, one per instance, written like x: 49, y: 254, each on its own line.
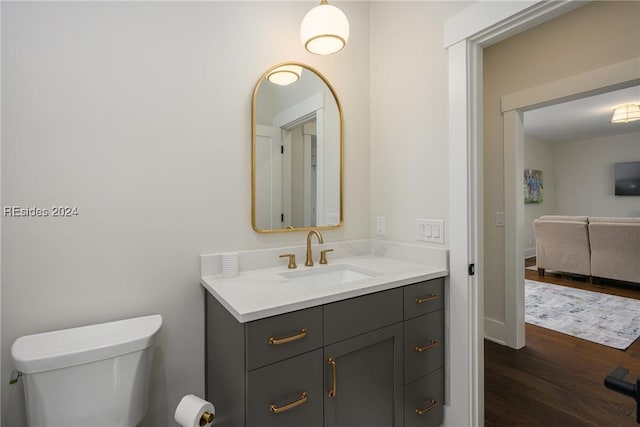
x: 324, y: 29
x: 285, y: 74
x: 626, y: 113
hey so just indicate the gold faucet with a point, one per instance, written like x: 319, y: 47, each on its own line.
x: 309, y: 261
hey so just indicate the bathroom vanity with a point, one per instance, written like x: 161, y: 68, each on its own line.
x: 368, y: 351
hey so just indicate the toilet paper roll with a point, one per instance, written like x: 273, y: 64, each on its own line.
x: 192, y: 412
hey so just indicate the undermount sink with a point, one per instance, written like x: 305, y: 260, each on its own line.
x: 333, y: 274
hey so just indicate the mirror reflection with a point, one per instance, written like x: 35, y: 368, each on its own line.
x: 296, y: 151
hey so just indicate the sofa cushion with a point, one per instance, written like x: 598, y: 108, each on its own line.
x: 611, y: 219
x: 562, y: 245
x: 615, y: 250
x: 564, y: 218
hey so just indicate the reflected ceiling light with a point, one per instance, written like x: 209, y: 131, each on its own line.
x: 626, y: 113
x: 324, y: 29
x: 285, y: 74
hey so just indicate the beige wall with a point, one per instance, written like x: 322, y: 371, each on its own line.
x: 593, y: 36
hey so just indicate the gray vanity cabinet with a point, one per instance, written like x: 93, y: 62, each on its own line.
x: 372, y: 360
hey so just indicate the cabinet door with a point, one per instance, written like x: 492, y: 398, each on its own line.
x: 363, y: 380
x: 287, y: 393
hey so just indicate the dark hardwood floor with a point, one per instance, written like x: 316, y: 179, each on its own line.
x: 557, y: 379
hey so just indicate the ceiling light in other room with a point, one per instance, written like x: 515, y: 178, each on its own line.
x: 626, y: 113
x: 285, y: 74
x: 324, y: 29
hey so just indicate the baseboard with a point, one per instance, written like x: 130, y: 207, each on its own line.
x: 494, y: 330
x: 529, y: 253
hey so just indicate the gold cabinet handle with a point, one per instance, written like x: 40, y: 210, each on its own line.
x: 432, y: 344
x: 432, y: 405
x: 304, y: 396
x: 334, y: 375
x: 298, y: 336
x: 431, y: 297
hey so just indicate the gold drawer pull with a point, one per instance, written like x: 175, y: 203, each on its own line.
x: 334, y: 375
x: 431, y: 297
x: 304, y: 396
x: 432, y: 405
x: 426, y: 347
x: 298, y: 336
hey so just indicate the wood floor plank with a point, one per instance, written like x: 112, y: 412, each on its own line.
x: 557, y: 379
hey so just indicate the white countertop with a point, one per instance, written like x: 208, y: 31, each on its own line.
x: 256, y: 294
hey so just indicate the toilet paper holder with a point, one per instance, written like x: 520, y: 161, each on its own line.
x: 193, y: 411
x: 206, y: 418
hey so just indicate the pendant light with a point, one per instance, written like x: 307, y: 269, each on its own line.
x: 626, y: 113
x: 324, y: 29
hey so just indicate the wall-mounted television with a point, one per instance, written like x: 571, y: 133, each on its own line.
x: 627, y: 179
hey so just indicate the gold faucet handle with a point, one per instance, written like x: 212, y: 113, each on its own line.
x: 323, y: 256
x: 292, y: 260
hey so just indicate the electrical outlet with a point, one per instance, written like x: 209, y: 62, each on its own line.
x: 381, y: 226
x: 499, y: 219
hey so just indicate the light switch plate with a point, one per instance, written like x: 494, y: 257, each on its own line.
x: 430, y: 230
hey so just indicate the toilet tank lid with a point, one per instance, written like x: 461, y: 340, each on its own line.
x: 76, y: 346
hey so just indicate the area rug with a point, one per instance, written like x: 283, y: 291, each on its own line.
x: 605, y: 319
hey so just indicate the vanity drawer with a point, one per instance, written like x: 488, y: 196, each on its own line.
x: 423, y: 345
x: 423, y: 297
x: 279, y: 337
x: 348, y: 318
x: 424, y: 401
x: 287, y: 393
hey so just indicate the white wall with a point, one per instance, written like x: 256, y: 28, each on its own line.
x: 538, y: 154
x: 578, y: 178
x: 138, y: 113
x: 585, y: 176
x: 409, y: 122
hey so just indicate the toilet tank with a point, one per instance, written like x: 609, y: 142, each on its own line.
x: 95, y: 375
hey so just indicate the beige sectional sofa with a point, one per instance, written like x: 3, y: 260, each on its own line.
x: 606, y: 247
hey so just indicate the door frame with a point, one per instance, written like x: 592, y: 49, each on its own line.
x: 465, y: 36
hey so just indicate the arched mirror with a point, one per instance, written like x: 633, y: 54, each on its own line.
x: 296, y: 151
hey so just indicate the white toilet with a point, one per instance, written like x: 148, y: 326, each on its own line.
x: 94, y: 375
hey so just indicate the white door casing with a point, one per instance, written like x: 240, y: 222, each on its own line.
x: 466, y: 34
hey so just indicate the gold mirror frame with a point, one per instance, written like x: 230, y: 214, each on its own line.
x: 262, y: 79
